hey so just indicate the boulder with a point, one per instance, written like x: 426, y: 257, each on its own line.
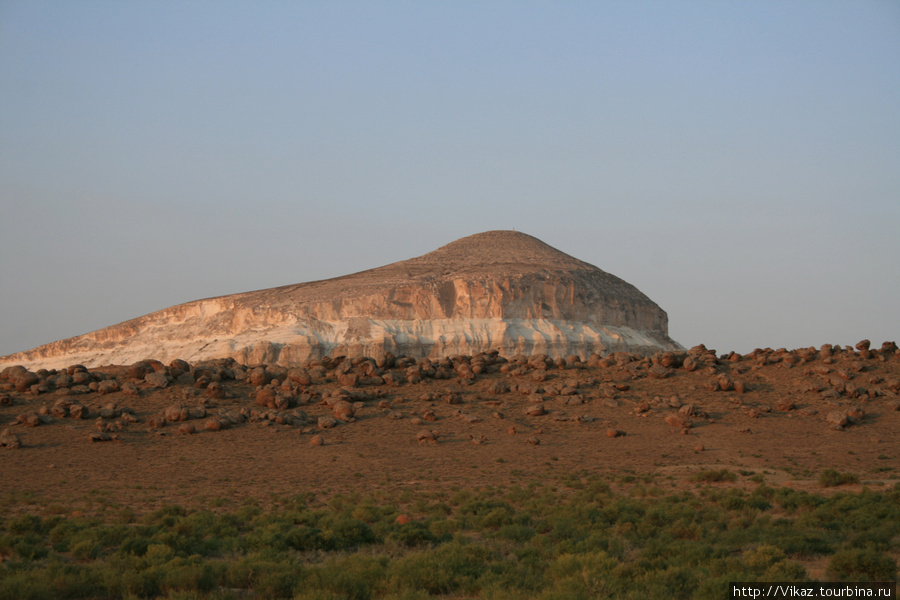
x: 679, y: 421
x: 425, y: 436
x: 108, y: 386
x: 174, y: 414
x: 535, y: 410
x: 837, y: 419
x: 327, y: 423
x: 9, y: 440
x: 343, y: 410
x: 156, y: 379
x: 259, y: 376
x: 266, y: 397
x: 785, y: 404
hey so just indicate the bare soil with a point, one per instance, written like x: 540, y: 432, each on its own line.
x: 485, y: 439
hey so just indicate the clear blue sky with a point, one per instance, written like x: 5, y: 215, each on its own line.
x: 739, y: 162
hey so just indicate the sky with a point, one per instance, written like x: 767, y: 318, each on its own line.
x: 738, y: 162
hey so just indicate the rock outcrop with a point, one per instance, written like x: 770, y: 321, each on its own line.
x: 499, y: 290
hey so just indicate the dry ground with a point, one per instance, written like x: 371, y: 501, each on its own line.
x: 743, y: 432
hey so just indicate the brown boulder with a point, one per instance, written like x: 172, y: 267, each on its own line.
x: 327, y: 423
x: 266, y: 397
x: 24, y: 380
x: 659, y: 372
x: 175, y: 414
x: 425, y: 436
x: 837, y: 419
x: 9, y: 440
x: 343, y: 410
x: 108, y: 386
x: 785, y: 404
x: 348, y: 379
x: 535, y: 410
x: 214, y: 424
x: 299, y: 376
x: 259, y: 376
x: 679, y: 421
x: 157, y: 379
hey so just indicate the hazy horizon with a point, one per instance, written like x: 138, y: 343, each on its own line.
x: 739, y: 163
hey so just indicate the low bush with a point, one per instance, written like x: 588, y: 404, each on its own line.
x: 579, y: 541
x: 832, y: 478
x: 861, y: 564
x: 714, y: 476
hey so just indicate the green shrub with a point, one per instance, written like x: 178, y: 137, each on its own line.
x: 763, y: 556
x: 713, y: 476
x: 832, y: 478
x: 304, y: 538
x: 412, y: 534
x: 23, y: 585
x: 351, y: 578
x: 345, y: 532
x: 516, y: 533
x: 786, y: 570
x: 451, y: 567
x: 861, y: 564
x: 24, y: 524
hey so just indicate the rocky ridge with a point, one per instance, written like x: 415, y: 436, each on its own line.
x: 500, y: 290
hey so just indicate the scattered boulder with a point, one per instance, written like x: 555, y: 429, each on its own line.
x: 299, y: 377
x: 187, y: 429
x: 174, y: 414
x: 535, y: 410
x: 785, y: 404
x: 725, y: 383
x: 348, y: 379
x: 216, y: 389
x: 266, y: 397
x: 9, y: 440
x: 214, y: 424
x: 679, y: 421
x: 837, y: 419
x: 327, y: 423
x: 157, y: 379
x: 425, y: 436
x: 344, y: 411
x: 659, y: 372
x: 317, y: 440
x: 30, y: 419
x: 108, y: 386
x: 259, y: 376
x: 24, y: 379
x: 498, y: 387
x: 614, y: 433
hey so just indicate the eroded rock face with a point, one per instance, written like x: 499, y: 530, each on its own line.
x: 499, y: 290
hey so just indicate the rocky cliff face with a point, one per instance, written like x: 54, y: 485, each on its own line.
x: 499, y: 290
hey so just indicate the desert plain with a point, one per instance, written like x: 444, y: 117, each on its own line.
x: 217, y: 436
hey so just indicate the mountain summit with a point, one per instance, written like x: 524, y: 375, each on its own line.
x: 498, y: 290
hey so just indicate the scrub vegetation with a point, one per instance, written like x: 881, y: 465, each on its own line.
x: 577, y: 537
